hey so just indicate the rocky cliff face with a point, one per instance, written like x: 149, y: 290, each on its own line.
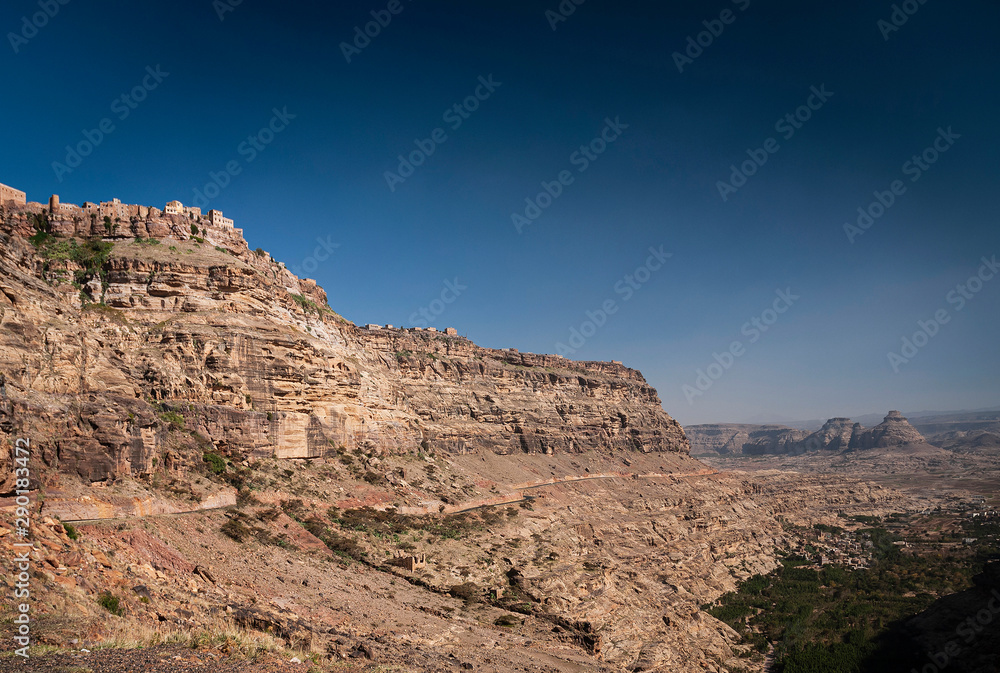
x: 895, y: 430
x: 775, y: 440
x: 204, y: 335
x: 733, y: 439
x: 837, y: 434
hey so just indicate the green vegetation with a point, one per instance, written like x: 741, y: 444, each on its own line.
x: 241, y: 528
x: 839, y: 620
x: 111, y: 603
x: 172, y: 418
x: 194, y: 229
x: 92, y: 255
x: 41, y: 223
x: 71, y: 532
x: 306, y: 303
x: 216, y: 463
x: 468, y: 592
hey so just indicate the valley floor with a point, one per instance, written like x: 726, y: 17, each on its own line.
x: 593, y: 563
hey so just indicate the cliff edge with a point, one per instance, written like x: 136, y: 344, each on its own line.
x: 170, y: 337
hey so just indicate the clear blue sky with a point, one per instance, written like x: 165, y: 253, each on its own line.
x: 656, y: 183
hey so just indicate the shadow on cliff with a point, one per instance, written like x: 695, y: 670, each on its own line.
x: 959, y: 633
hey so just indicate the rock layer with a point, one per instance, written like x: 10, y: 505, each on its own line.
x: 206, y: 336
x: 837, y: 435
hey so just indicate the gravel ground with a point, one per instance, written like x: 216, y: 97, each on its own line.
x: 161, y: 659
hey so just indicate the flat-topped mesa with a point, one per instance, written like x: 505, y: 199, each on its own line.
x: 774, y: 440
x: 235, y: 349
x: 894, y: 430
x: 837, y: 434
x: 448, y: 342
x: 511, y: 402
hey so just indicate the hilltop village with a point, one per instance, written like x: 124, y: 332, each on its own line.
x: 114, y: 210
x: 114, y: 219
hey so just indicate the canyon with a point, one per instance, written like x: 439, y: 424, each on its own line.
x: 225, y: 447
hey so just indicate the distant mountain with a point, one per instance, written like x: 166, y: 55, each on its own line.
x: 926, y: 418
x: 837, y: 434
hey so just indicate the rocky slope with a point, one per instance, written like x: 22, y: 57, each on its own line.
x: 164, y: 376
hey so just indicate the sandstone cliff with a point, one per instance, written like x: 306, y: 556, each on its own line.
x: 200, y: 334
x: 895, y: 430
x: 733, y: 438
x: 836, y: 435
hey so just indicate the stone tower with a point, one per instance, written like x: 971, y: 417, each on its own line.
x: 54, y: 204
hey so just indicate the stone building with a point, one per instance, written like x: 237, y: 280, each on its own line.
x: 7, y: 194
x: 178, y: 208
x: 411, y: 563
x: 215, y: 218
x: 114, y: 209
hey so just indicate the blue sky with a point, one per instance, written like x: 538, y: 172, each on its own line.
x: 322, y: 177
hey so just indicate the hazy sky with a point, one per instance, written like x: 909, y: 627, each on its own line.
x: 631, y: 125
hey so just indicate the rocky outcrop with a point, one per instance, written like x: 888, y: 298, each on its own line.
x: 777, y: 440
x: 730, y: 438
x: 204, y: 345
x: 895, y: 430
x: 837, y: 435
